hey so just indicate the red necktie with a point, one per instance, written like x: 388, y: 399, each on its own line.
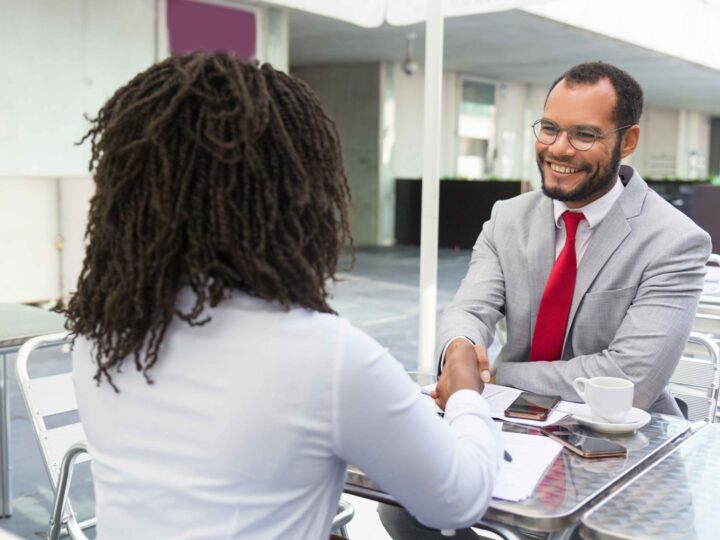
x: 547, y: 343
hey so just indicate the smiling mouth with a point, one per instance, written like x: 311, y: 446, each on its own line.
x: 562, y: 169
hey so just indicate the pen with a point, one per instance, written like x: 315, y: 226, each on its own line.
x: 506, y: 456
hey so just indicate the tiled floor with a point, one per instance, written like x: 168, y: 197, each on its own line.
x: 379, y: 295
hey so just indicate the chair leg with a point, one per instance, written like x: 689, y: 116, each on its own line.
x: 342, y: 518
x: 63, y: 486
x: 683, y: 407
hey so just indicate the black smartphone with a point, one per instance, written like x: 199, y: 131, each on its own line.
x: 532, y: 406
x: 574, y: 438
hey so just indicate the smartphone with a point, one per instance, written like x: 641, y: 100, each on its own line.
x: 532, y: 406
x: 574, y: 438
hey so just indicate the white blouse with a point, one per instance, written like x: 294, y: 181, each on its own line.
x: 252, y: 419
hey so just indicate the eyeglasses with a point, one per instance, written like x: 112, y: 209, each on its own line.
x: 581, y: 138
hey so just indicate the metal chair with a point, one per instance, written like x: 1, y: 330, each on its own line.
x: 57, y: 518
x: 60, y: 447
x: 711, y: 287
x: 696, y: 380
x: 707, y: 320
x: 344, y: 514
x: 709, y: 305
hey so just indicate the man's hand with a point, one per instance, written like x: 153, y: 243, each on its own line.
x: 462, y: 347
x: 466, y: 366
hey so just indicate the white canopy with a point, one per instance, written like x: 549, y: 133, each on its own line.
x: 373, y: 13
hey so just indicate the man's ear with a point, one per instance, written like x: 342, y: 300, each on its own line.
x: 630, y: 140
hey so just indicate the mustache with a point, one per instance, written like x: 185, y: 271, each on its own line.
x: 543, y: 156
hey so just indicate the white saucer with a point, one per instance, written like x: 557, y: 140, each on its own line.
x: 634, y: 420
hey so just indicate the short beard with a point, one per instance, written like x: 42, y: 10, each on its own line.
x: 600, y: 182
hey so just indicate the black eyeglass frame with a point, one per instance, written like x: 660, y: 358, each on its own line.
x: 571, y: 134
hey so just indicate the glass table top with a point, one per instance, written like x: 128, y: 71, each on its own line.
x: 572, y: 484
x: 676, y: 498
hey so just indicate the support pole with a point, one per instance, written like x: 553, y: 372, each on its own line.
x: 430, y: 185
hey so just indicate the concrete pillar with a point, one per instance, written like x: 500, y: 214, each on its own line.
x: 351, y: 95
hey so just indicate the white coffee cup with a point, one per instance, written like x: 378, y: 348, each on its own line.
x: 610, y: 398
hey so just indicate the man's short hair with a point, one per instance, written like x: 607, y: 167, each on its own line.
x: 629, y: 105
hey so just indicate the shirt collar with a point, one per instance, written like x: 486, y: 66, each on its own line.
x: 594, y: 212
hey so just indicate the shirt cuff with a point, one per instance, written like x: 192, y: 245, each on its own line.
x: 466, y: 401
x: 463, y: 411
x: 441, y: 365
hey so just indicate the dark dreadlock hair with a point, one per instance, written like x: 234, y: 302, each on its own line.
x: 211, y: 173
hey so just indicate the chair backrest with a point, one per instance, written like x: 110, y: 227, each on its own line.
x: 710, y: 297
x: 696, y: 379
x: 45, y: 397
x: 707, y: 323
x: 711, y: 287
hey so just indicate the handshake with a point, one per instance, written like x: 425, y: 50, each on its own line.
x: 466, y: 367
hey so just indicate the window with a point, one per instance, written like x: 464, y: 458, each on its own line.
x: 476, y: 128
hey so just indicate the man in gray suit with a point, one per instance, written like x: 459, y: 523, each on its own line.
x: 596, y: 275
x: 640, y: 263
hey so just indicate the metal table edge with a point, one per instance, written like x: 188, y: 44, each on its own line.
x: 548, y: 524
x: 590, y: 534
x: 10, y: 344
x: 367, y: 493
x: 559, y: 522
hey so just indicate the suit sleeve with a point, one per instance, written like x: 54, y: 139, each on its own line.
x: 649, y: 342
x: 479, y: 302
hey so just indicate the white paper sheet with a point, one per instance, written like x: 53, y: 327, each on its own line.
x: 532, y: 456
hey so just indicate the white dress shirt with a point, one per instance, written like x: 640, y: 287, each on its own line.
x: 252, y: 419
x: 594, y: 213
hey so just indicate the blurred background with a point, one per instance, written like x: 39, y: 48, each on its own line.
x: 61, y: 59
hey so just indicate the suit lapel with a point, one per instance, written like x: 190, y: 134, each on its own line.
x: 608, y: 236
x: 541, y: 254
x: 605, y: 240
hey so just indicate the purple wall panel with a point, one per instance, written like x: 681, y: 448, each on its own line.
x: 194, y: 26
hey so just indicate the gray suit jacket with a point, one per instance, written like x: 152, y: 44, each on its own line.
x: 636, y: 293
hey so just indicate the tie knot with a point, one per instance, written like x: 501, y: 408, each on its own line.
x: 572, y: 219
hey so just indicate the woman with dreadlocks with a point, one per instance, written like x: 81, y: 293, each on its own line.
x: 221, y: 395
